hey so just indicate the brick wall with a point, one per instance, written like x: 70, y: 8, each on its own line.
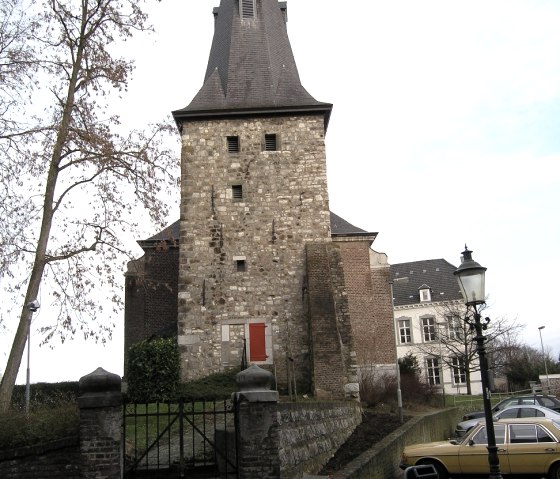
x: 385, y: 342
x: 331, y: 332
x: 362, y: 305
x: 151, y: 294
x: 56, y: 459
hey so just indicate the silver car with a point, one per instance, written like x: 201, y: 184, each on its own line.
x: 525, y: 410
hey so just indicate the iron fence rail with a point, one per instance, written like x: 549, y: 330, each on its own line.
x: 184, y: 438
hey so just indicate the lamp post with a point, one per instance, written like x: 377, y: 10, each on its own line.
x: 398, y: 369
x: 470, y: 276
x: 544, y: 359
x: 33, y: 306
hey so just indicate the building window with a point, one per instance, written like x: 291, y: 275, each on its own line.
x: 404, y: 331
x: 233, y: 144
x: 459, y: 372
x: 425, y: 294
x: 237, y: 192
x: 247, y: 8
x: 240, y: 264
x: 454, y: 328
x: 433, y: 372
x: 271, y: 142
x: 429, y: 329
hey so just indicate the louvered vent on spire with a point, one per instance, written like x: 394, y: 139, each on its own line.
x: 247, y: 8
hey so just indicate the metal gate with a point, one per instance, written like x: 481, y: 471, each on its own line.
x: 191, y: 439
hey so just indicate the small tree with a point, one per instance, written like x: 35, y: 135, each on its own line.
x: 409, y: 365
x: 455, y: 343
x: 72, y: 180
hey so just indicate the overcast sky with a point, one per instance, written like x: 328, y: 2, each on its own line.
x: 444, y: 131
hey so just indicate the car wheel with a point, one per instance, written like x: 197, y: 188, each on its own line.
x: 554, y: 471
x: 441, y: 471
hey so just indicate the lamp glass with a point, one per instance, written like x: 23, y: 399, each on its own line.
x: 472, y: 285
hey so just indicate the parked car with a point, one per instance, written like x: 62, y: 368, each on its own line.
x: 550, y: 402
x: 529, y: 410
x: 526, y: 446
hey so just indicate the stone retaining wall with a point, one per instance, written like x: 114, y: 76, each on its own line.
x: 310, y: 433
x: 382, y: 461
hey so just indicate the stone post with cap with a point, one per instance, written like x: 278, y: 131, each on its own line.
x: 100, y: 404
x: 258, y: 423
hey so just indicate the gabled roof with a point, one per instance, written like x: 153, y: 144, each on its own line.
x: 341, y: 227
x: 251, y: 68
x: 437, y: 274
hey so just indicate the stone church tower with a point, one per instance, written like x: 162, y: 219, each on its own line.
x: 260, y: 273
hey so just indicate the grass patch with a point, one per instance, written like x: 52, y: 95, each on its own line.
x: 215, y: 386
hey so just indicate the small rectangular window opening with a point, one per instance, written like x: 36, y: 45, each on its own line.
x: 240, y: 265
x: 237, y: 192
x: 247, y: 8
x: 233, y: 144
x: 270, y: 142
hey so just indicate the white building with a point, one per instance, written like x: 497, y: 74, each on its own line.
x: 429, y: 311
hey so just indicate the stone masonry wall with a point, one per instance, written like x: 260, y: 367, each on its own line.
x: 310, y: 433
x: 283, y: 205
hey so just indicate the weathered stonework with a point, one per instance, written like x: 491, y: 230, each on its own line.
x: 284, y: 205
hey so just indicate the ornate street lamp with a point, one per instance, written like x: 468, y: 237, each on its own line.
x: 470, y: 276
x: 544, y: 359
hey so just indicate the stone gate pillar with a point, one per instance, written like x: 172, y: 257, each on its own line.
x: 259, y: 447
x: 100, y: 404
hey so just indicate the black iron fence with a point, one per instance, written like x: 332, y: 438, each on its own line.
x: 181, y: 439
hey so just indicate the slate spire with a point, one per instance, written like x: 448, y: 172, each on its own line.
x: 251, y: 68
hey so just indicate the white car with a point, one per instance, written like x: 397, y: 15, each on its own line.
x: 525, y: 410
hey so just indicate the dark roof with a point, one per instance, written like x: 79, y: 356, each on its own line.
x: 170, y: 233
x: 339, y: 227
x: 251, y: 67
x: 437, y: 274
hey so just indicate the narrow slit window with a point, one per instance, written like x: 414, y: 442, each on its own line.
x: 270, y: 142
x: 237, y: 192
x: 247, y: 8
x: 240, y: 265
x: 233, y: 144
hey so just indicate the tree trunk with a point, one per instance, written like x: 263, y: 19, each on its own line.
x: 18, y: 346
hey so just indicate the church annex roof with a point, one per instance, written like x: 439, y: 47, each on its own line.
x: 339, y: 227
x: 436, y: 274
x: 251, y: 68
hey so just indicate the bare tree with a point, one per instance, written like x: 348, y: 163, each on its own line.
x: 76, y: 181
x: 454, y: 340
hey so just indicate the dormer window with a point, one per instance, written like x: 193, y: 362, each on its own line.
x: 425, y: 293
x: 247, y: 8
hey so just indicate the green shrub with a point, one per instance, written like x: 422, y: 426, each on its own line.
x: 43, y: 424
x: 45, y: 394
x: 153, y: 370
